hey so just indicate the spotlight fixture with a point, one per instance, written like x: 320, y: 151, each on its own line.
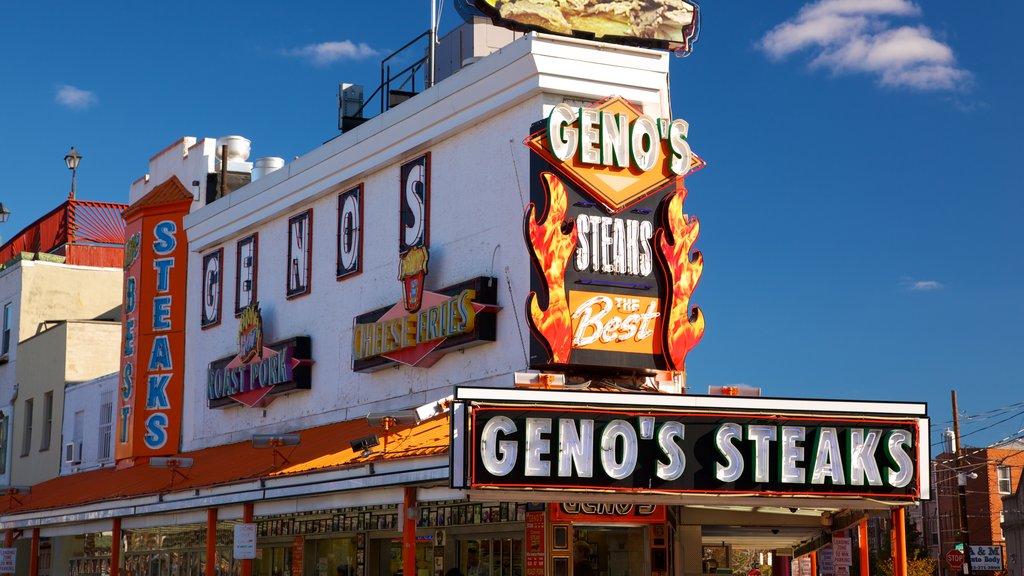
x: 12, y: 492
x: 160, y: 462
x: 275, y: 440
x: 396, y: 418
x: 173, y: 464
x: 364, y: 444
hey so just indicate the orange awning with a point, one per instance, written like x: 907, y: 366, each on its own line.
x: 321, y: 448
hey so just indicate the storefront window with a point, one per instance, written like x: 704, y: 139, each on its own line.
x: 492, y: 557
x: 178, y: 551
x: 609, y: 551
x: 335, y: 557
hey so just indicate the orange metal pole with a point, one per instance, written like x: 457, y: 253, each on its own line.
x: 115, y: 548
x: 247, y: 518
x: 211, y: 542
x: 33, y: 555
x: 814, y: 564
x: 409, y: 533
x: 899, y: 548
x: 862, y: 539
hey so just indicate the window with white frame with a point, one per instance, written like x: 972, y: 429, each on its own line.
x: 1004, y: 479
x: 78, y: 427
x: 106, y: 438
x: 26, y: 438
x: 4, y: 423
x: 6, y: 345
x: 44, y: 444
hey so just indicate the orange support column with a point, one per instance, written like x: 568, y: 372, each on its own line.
x: 115, y: 548
x: 862, y: 540
x: 814, y: 564
x: 409, y: 532
x: 247, y: 518
x: 211, y: 542
x: 899, y: 542
x: 9, y: 538
x: 33, y: 555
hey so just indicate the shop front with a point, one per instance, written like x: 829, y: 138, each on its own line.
x: 629, y: 484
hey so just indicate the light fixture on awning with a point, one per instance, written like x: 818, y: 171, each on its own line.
x: 275, y: 441
x: 173, y: 464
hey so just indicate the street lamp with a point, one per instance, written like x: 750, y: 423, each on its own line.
x: 72, y: 160
x: 4, y: 213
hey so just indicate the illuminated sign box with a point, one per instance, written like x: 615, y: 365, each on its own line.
x: 449, y: 319
x: 278, y: 368
x: 671, y: 24
x: 713, y: 453
x: 612, y: 251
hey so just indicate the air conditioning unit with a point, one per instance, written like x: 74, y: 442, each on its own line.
x: 73, y: 453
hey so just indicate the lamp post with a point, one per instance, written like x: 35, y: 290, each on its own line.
x: 4, y: 213
x: 72, y: 160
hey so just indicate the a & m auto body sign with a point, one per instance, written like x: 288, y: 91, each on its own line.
x: 612, y: 250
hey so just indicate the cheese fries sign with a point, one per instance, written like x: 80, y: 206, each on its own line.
x: 671, y: 24
x: 611, y: 247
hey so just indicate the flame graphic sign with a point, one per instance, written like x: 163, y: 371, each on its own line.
x: 614, y: 264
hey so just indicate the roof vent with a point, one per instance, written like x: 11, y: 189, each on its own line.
x: 263, y: 166
x: 238, y: 148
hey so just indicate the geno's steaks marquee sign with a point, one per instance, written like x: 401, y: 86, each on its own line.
x: 714, y: 451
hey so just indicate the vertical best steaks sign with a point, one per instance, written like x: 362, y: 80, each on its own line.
x: 612, y: 250
x: 153, y: 339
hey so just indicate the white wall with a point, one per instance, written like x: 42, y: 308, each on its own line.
x: 85, y: 396
x: 473, y: 125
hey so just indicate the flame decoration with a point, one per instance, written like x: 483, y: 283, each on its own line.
x: 552, y: 242
x: 683, y: 328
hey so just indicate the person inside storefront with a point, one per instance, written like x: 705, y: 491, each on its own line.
x: 581, y: 559
x: 473, y: 566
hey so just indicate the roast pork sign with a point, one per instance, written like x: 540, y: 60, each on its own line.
x: 612, y: 250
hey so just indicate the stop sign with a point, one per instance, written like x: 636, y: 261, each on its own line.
x: 955, y: 559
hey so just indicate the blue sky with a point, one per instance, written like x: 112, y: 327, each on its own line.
x: 858, y: 214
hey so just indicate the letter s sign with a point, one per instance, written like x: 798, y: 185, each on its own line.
x: 415, y: 208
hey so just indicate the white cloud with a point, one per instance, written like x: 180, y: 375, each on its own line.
x: 329, y: 52
x: 923, y: 285
x: 857, y: 36
x: 75, y: 98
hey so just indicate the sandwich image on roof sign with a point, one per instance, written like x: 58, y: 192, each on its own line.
x: 668, y: 24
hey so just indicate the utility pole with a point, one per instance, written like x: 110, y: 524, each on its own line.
x: 961, y: 482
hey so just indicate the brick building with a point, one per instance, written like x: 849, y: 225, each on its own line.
x: 998, y: 470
